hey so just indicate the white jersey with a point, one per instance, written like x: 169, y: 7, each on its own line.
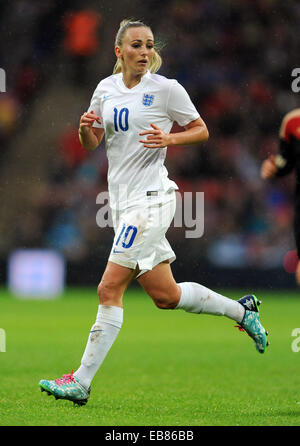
x: 134, y: 170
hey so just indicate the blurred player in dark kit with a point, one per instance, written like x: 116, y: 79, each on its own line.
x: 287, y: 160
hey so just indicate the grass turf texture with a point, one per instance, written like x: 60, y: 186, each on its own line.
x: 166, y: 368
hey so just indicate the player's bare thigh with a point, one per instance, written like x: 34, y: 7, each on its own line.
x: 161, y: 286
x: 115, y: 280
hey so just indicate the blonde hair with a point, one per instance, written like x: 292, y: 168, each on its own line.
x: 130, y: 23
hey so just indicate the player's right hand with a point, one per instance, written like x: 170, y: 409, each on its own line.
x: 87, y: 120
x: 268, y: 168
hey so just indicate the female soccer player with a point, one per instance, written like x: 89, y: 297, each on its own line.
x: 135, y: 109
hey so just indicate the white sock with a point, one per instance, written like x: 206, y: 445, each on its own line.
x: 196, y: 298
x: 102, y: 335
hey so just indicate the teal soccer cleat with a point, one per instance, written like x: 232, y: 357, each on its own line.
x: 251, y: 322
x: 66, y: 388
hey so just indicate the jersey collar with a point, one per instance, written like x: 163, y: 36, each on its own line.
x: 137, y: 86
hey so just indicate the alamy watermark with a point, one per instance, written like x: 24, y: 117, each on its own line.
x: 2, y: 340
x: 296, y: 82
x: 189, y: 213
x: 2, y: 81
x: 296, y: 342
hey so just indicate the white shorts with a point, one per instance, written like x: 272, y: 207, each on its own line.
x: 140, y: 233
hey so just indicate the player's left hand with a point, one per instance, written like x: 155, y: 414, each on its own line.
x: 156, y: 139
x: 268, y: 168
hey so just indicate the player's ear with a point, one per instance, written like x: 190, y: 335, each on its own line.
x: 118, y: 52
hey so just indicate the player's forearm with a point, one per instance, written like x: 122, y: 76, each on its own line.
x: 193, y: 135
x: 88, y: 140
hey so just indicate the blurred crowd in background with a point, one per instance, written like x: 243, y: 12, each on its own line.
x: 235, y: 60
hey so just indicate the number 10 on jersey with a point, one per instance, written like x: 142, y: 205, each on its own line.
x: 121, y: 119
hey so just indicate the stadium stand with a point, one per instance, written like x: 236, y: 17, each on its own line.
x: 234, y: 58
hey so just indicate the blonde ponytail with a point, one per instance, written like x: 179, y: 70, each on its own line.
x: 130, y: 23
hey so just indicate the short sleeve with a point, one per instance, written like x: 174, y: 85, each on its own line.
x: 179, y: 106
x: 95, y: 105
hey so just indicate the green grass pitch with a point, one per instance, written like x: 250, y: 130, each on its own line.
x: 166, y: 368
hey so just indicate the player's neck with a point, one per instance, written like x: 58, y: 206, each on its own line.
x: 131, y: 79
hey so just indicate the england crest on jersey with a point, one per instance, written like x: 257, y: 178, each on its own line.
x: 148, y: 99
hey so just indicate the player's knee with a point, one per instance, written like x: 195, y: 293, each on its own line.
x: 165, y: 304
x: 107, y: 293
x: 101, y: 291
x: 165, y: 300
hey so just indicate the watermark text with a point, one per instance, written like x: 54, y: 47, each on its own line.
x: 296, y: 342
x: 2, y: 340
x: 189, y: 213
x: 296, y: 82
x: 2, y: 81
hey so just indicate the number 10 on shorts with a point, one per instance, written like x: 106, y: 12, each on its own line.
x: 127, y: 236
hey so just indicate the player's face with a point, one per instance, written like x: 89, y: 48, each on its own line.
x: 137, y: 50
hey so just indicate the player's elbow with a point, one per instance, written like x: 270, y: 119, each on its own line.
x: 206, y: 134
